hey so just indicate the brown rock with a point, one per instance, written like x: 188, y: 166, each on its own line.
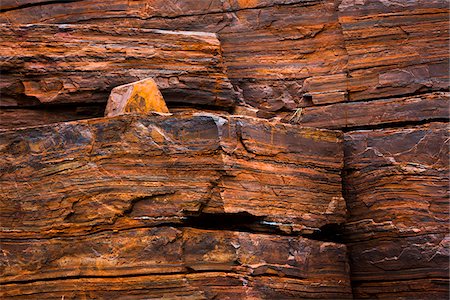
x: 137, y: 97
x: 395, y: 47
x: 151, y: 262
x: 269, y: 46
x: 74, y: 178
x: 276, y: 51
x: 55, y: 64
x: 13, y: 118
x: 397, y: 193
x: 383, y: 112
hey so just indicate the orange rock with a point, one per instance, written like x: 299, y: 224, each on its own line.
x: 138, y: 97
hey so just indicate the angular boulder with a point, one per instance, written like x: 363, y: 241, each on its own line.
x: 137, y: 97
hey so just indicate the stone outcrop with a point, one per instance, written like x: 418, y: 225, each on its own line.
x: 397, y: 193
x: 137, y: 97
x: 106, y: 172
x: 166, y: 262
x: 378, y: 70
x: 73, y: 64
x: 121, y: 198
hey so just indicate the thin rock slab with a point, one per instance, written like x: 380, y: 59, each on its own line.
x: 242, y: 262
x: 381, y: 112
x: 396, y: 182
x: 62, y: 64
x: 79, y: 177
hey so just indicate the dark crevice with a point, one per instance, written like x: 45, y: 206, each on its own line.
x: 75, y: 277
x: 188, y: 106
x: 27, y: 5
x: 328, y: 233
x: 52, y: 106
x: 400, y: 124
x: 242, y: 221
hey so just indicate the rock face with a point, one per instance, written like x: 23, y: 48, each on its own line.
x: 397, y: 193
x: 61, y: 64
x: 137, y: 97
x: 95, y: 172
x: 378, y: 70
x: 116, y: 187
x: 177, y: 262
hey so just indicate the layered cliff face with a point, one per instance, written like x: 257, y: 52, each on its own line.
x: 204, y: 205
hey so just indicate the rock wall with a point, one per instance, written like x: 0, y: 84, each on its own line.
x: 127, y: 198
x: 377, y: 70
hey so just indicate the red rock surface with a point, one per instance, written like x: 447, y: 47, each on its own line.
x: 88, y: 202
x: 356, y: 65
x: 170, y: 262
x: 109, y: 172
x: 61, y: 64
x: 397, y: 194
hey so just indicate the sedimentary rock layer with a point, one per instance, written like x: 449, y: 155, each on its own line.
x: 383, y: 112
x: 270, y: 46
x: 395, y: 47
x: 396, y: 184
x: 13, y: 118
x: 79, y: 177
x: 278, y: 50
x: 170, y: 262
x: 81, y: 64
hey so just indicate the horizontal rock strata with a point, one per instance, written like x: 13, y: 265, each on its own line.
x: 112, y: 207
x: 270, y: 46
x: 395, y: 47
x: 170, y: 262
x: 382, y: 112
x: 81, y: 64
x: 79, y: 177
x: 397, y: 194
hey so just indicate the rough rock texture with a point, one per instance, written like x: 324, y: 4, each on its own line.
x: 270, y: 46
x: 277, y: 50
x: 87, y: 209
x: 395, y: 47
x: 81, y: 64
x: 349, y: 64
x: 137, y: 97
x: 73, y: 177
x: 169, y: 262
x: 397, y: 193
x: 383, y: 112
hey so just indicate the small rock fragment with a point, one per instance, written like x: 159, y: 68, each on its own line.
x: 136, y: 97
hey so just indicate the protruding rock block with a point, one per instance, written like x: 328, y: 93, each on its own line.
x: 137, y: 97
x: 60, y: 64
x: 397, y: 195
x: 393, y: 111
x: 200, y: 262
x: 127, y: 171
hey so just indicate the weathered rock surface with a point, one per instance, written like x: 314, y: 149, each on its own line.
x: 137, y: 97
x: 270, y: 46
x: 364, y: 64
x: 278, y: 50
x: 384, y: 112
x: 397, y: 194
x: 395, y: 47
x: 105, y: 208
x: 81, y: 64
x: 79, y: 177
x: 13, y: 118
x: 169, y: 262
